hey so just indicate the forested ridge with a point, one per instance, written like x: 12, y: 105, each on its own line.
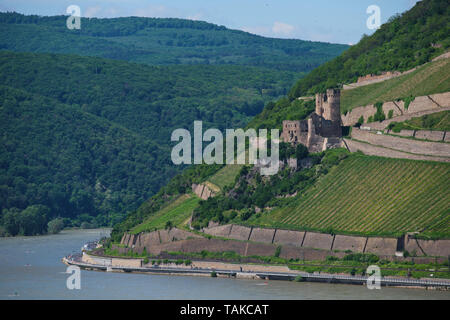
x: 161, y: 41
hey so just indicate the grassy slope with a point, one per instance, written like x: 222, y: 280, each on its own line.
x: 373, y: 195
x: 225, y: 176
x: 433, y: 77
x: 177, y: 212
x: 434, y: 121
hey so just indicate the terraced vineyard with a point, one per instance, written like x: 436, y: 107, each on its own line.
x: 177, y: 212
x: 373, y: 196
x: 433, y: 77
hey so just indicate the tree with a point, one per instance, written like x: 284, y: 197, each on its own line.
x: 55, y: 225
x: 33, y: 220
x: 301, y: 151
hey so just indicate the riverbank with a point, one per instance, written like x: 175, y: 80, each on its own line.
x: 241, y: 271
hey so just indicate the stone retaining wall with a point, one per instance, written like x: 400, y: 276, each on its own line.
x: 294, y: 244
x: 147, y: 239
x: 402, y: 133
x: 381, y: 246
x: 419, y: 247
x: 104, y: 261
x: 129, y: 263
x: 430, y: 135
x: 431, y: 103
x: 355, y: 244
x: 435, y: 247
x: 405, y: 145
x: 218, y: 231
x: 239, y: 232
x: 318, y: 240
x: 259, y: 249
x: 421, y: 134
x: 262, y: 235
x: 382, y: 125
x: 288, y: 237
x: 371, y: 150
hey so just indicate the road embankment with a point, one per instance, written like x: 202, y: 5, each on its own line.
x: 241, y: 271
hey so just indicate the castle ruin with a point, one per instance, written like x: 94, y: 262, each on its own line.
x: 322, y: 130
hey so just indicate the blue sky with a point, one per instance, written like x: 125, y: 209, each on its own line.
x: 342, y: 21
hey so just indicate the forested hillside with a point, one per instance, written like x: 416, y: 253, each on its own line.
x: 405, y: 41
x: 161, y: 41
x: 98, y: 170
x: 65, y: 162
x: 150, y: 99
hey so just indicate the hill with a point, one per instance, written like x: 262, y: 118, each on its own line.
x: 405, y: 41
x: 87, y: 170
x: 161, y: 41
x: 430, y: 78
x: 340, y: 192
x: 146, y: 102
x: 371, y: 195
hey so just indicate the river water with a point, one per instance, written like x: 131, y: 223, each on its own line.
x: 31, y: 268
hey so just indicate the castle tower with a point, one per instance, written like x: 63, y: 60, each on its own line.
x: 332, y: 108
x: 320, y: 98
x: 328, y: 105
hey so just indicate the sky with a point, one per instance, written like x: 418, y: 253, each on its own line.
x: 342, y: 21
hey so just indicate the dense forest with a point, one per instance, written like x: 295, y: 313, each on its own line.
x: 96, y: 142
x: 87, y: 114
x: 161, y: 41
x: 67, y: 163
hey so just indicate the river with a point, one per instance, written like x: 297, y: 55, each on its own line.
x: 31, y: 268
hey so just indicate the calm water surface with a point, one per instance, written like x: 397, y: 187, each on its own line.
x: 30, y: 268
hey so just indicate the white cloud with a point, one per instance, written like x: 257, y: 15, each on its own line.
x: 91, y: 12
x: 281, y: 28
x: 197, y: 16
x: 154, y: 11
x: 260, y: 30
